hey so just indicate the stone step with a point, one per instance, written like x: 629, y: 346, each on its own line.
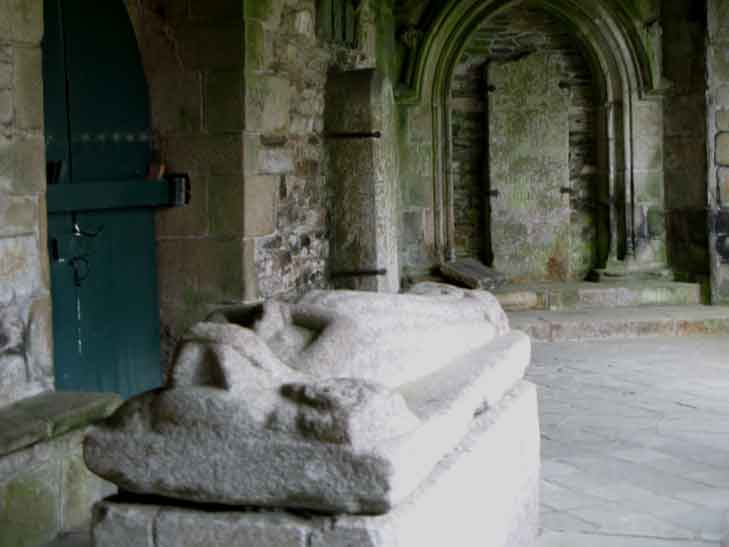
x: 576, y: 295
x: 627, y: 322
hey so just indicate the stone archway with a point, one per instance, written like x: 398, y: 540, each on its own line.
x: 630, y: 124
x: 526, y: 186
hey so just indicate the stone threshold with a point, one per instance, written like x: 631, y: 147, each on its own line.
x: 627, y: 322
x: 49, y: 415
x: 605, y: 294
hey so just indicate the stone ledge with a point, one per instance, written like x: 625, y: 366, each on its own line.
x: 50, y: 415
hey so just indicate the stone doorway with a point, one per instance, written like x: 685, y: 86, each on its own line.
x: 524, y: 151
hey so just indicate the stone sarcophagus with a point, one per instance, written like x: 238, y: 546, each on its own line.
x: 376, y: 415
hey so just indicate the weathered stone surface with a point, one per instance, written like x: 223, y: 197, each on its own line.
x: 491, y: 304
x: 364, y: 168
x: 22, y: 21
x: 485, y: 492
x: 28, y: 89
x: 124, y: 526
x: 473, y: 274
x: 722, y: 149
x: 19, y: 268
x: 29, y: 509
x: 529, y: 223
x: 275, y: 416
x: 181, y: 528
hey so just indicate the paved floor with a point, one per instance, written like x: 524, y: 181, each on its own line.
x: 635, y: 441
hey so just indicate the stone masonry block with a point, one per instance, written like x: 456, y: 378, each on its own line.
x: 21, y: 21
x: 259, y: 202
x: 176, y: 101
x: 649, y: 153
x: 80, y: 490
x: 197, y: 272
x: 718, y: 63
x: 722, y: 149
x: 275, y: 160
x: 722, y: 120
x: 202, y: 154
x: 22, y: 165
x: 649, y: 119
x: 258, y: 47
x: 266, y: 11
x: 207, y: 46
x: 723, y: 175
x: 6, y: 75
x: 40, y: 342
x: 6, y: 107
x: 685, y: 153
x: 28, y: 88
x: 131, y: 527
x: 30, y: 161
x: 191, y: 220
x: 250, y: 273
x: 718, y: 17
x: 224, y: 100
x: 649, y: 186
x: 226, y: 205
x: 29, y: 508
x: 276, y: 106
x: 18, y: 215
x: 20, y: 268
x: 180, y: 528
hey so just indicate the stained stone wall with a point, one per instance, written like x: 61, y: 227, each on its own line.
x: 25, y: 309
x: 517, y: 33
x: 718, y: 146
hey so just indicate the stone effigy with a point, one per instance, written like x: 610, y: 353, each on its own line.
x: 343, y: 403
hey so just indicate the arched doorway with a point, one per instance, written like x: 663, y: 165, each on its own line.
x: 101, y: 226
x: 523, y: 109
x: 627, y: 77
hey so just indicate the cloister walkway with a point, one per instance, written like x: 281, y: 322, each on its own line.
x: 635, y: 441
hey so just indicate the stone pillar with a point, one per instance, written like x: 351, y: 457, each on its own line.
x: 25, y: 309
x: 718, y: 147
x: 648, y: 222
x: 363, y: 167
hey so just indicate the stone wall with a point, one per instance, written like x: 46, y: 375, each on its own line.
x: 237, y: 93
x: 718, y: 146
x: 25, y: 310
x: 514, y: 34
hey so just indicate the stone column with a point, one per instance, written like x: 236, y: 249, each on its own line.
x: 361, y: 135
x: 25, y: 309
x: 717, y: 56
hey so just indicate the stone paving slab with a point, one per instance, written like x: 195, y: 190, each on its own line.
x: 635, y: 444
x: 553, y: 539
x: 628, y: 322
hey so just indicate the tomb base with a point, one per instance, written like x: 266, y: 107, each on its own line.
x: 483, y: 494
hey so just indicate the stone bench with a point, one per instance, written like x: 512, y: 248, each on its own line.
x: 45, y: 487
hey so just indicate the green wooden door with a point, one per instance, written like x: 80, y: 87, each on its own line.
x: 102, y: 242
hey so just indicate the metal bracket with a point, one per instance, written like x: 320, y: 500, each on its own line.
x: 347, y: 136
